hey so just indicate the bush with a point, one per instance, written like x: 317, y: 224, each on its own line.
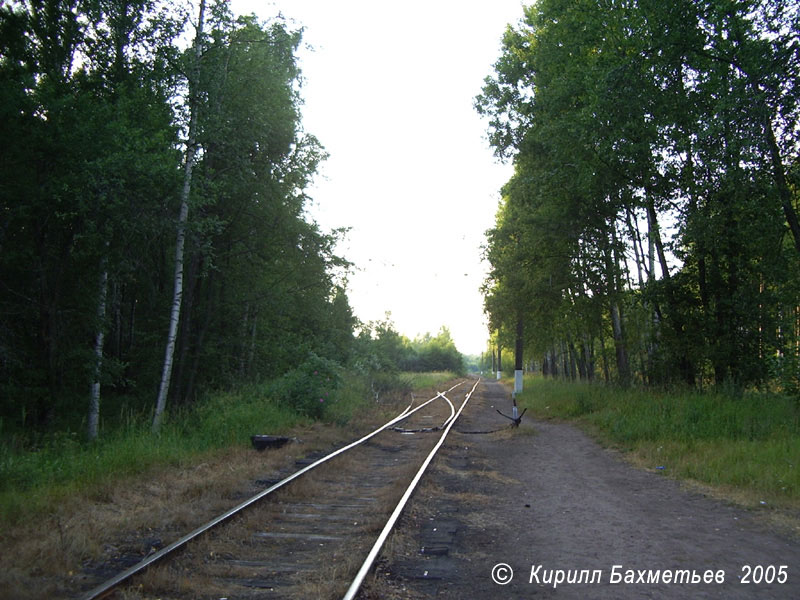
x: 310, y: 388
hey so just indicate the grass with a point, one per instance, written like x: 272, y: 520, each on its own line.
x: 420, y: 381
x: 34, y: 480
x: 748, y: 445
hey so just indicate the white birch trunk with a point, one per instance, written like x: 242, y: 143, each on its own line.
x: 651, y: 247
x: 191, y: 148
x: 99, y: 340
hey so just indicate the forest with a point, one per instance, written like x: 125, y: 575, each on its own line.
x: 154, y: 239
x: 649, y: 234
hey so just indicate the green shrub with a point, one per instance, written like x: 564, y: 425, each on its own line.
x: 310, y: 388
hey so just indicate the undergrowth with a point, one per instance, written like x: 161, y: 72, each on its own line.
x: 749, y: 442
x: 35, y: 475
x: 33, y: 479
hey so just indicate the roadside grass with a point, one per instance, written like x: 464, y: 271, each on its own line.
x: 746, y: 445
x: 34, y: 479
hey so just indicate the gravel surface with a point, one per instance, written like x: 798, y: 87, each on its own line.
x: 572, y: 520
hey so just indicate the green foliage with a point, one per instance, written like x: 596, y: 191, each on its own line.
x: 380, y: 348
x: 418, y: 381
x: 311, y: 388
x: 92, y: 113
x: 33, y: 478
x: 439, y: 353
x: 786, y: 371
x: 649, y: 232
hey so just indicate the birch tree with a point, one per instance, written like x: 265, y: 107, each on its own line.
x: 183, y: 217
x: 103, y: 137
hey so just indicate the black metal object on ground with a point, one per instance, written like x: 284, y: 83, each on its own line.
x: 262, y: 442
x: 517, y: 419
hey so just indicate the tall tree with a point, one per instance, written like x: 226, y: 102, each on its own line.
x: 623, y: 112
x: 191, y: 150
x: 93, y: 100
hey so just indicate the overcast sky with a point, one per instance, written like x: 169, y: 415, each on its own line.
x: 389, y: 88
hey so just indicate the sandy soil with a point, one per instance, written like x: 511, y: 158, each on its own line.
x: 553, y: 505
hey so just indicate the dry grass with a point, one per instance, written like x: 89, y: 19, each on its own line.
x: 333, y: 579
x: 46, y: 558
x: 483, y: 472
x: 160, y: 505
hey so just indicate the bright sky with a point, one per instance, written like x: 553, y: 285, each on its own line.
x: 389, y: 92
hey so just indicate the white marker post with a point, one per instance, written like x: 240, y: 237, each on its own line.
x: 517, y: 381
x: 518, y: 349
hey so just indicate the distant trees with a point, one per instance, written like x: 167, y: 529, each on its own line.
x: 649, y: 232
x: 96, y: 105
x: 434, y: 353
x: 382, y: 348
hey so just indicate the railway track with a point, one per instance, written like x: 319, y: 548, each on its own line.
x: 315, y: 533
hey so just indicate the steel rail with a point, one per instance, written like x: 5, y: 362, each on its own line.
x: 452, y: 412
x: 376, y: 548
x: 431, y: 429
x: 108, y: 586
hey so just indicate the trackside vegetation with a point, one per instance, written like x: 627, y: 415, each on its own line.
x: 748, y: 444
x: 34, y: 476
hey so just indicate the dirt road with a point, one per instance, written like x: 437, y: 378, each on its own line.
x: 572, y: 520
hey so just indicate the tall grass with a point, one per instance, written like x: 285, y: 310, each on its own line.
x: 420, y: 381
x: 407, y: 381
x: 33, y: 479
x: 749, y: 442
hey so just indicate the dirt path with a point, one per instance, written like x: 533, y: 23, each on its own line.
x: 553, y: 505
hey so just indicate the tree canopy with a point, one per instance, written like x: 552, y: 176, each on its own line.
x: 649, y: 232
x: 95, y: 98
x: 384, y: 348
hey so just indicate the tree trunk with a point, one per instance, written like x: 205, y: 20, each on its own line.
x: 191, y: 148
x: 252, y: 353
x: 606, y: 374
x: 655, y: 236
x: 635, y: 240
x: 116, y: 309
x: 779, y: 175
x: 623, y: 368
x: 553, y: 362
x: 244, y: 345
x: 518, y: 346
x: 588, y: 357
x: 185, y: 344
x: 573, y: 366
x: 94, y: 397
